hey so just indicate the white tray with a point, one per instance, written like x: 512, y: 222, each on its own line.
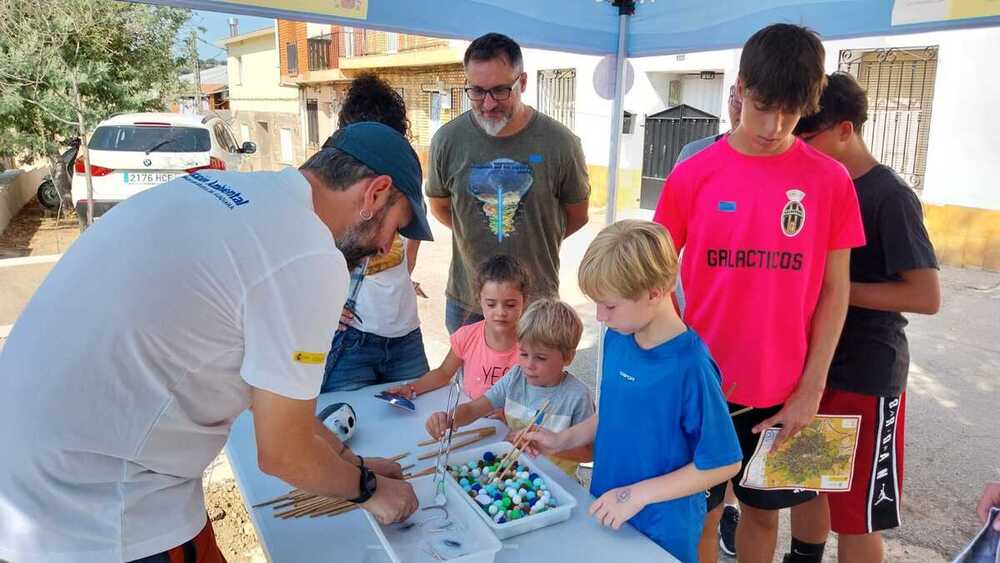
x: 410, y: 546
x: 564, y: 501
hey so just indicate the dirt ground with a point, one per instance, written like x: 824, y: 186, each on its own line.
x: 34, y: 231
x: 234, y: 531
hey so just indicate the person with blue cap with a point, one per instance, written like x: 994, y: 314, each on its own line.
x: 184, y: 306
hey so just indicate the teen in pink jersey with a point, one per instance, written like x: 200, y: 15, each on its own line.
x: 756, y: 231
x: 767, y: 224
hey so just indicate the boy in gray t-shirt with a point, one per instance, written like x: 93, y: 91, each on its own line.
x: 548, y: 333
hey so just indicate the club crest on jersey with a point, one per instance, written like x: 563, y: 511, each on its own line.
x: 793, y: 215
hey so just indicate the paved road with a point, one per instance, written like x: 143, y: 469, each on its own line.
x: 952, y: 433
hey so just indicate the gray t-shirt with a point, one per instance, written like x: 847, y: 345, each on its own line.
x: 695, y: 147
x: 507, y: 197
x: 570, y: 402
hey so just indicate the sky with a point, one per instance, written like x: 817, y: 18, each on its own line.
x: 216, y: 25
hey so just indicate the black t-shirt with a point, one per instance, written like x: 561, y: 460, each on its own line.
x: 872, y: 356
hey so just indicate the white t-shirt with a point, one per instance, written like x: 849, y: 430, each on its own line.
x: 122, y: 377
x: 387, y: 302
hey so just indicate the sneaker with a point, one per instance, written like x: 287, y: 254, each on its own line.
x: 727, y: 530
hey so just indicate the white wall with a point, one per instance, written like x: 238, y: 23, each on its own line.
x: 963, y: 159
x: 260, y: 89
x: 592, y: 112
x: 963, y: 162
x: 17, y: 187
x: 648, y: 94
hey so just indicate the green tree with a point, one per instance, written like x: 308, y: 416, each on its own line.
x: 66, y: 65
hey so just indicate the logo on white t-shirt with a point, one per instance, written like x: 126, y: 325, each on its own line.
x: 793, y: 215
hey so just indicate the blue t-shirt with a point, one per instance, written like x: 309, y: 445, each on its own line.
x: 661, y: 409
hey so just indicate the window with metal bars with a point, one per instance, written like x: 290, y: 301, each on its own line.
x: 557, y: 95
x: 900, y: 87
x: 312, y: 121
x: 292, y: 54
x: 460, y: 103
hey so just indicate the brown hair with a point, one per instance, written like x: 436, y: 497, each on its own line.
x: 843, y: 99
x: 503, y: 269
x: 782, y: 67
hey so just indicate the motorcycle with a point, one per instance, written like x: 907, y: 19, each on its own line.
x: 48, y: 194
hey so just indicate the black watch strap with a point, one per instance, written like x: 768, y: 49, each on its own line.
x: 366, y: 486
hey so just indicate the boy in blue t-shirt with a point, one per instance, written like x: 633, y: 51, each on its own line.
x: 662, y: 435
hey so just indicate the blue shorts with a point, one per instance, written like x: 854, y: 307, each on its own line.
x: 358, y: 359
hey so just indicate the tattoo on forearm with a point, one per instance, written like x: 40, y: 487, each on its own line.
x: 624, y: 495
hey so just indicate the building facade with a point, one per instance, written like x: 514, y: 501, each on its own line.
x: 262, y: 109
x: 323, y: 59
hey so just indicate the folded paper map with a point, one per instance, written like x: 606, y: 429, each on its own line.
x: 819, y: 458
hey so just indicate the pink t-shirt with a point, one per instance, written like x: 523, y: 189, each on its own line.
x: 483, y: 366
x: 756, y: 232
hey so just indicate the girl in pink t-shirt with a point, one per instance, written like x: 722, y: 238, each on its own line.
x: 487, y: 349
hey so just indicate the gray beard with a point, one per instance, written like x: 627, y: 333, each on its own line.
x: 490, y: 127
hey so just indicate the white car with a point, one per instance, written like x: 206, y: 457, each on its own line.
x: 133, y: 152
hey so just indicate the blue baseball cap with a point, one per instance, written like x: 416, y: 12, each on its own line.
x: 386, y: 151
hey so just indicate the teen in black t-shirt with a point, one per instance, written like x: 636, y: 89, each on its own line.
x: 895, y: 272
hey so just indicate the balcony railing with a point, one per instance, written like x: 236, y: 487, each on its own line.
x: 361, y: 42
x: 321, y: 53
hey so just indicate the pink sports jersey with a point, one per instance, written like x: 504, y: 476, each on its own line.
x: 482, y: 366
x: 756, y: 232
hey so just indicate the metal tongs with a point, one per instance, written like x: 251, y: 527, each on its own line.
x: 444, y: 446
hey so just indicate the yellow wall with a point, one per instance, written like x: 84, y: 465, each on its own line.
x: 964, y: 236
x: 260, y: 89
x: 629, y: 181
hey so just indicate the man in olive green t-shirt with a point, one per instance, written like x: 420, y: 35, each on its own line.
x: 505, y: 178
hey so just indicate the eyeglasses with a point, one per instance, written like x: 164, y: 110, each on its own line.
x: 499, y: 93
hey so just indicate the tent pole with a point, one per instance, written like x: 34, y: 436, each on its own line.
x: 625, y: 9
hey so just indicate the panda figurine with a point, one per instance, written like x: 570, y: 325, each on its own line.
x: 340, y: 418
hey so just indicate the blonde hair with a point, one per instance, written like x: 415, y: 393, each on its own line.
x: 626, y: 259
x: 552, y: 324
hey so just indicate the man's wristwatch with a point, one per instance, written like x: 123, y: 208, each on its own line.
x: 367, y: 484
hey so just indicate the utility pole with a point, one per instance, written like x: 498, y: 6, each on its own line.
x: 196, y: 69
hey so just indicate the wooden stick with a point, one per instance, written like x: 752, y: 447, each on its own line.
x: 331, y: 506
x: 340, y: 510
x: 289, y: 495
x: 457, y: 445
x: 512, y: 456
x: 291, y: 502
x: 298, y: 496
x: 730, y: 392
x: 296, y: 511
x: 428, y: 471
x: 489, y: 430
x: 545, y: 405
x: 741, y: 411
